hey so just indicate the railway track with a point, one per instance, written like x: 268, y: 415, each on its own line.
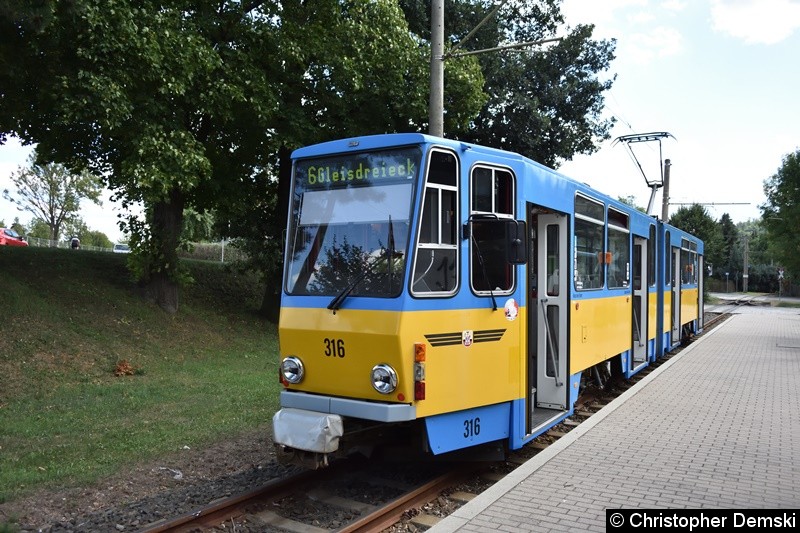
x: 355, y: 496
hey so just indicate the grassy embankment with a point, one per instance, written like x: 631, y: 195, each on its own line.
x: 70, y: 319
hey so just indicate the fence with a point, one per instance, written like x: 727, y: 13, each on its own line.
x: 211, y: 251
x: 46, y: 243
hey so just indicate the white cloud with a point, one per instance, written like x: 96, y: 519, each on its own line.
x: 659, y: 42
x: 641, y: 17
x: 674, y: 5
x: 756, y: 22
x: 594, y: 12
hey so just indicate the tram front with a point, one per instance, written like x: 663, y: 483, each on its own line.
x: 342, y: 366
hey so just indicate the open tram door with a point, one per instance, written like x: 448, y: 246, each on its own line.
x: 675, y: 338
x: 548, y: 305
x: 640, y: 301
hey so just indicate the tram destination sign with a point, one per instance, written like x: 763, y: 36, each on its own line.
x: 358, y: 169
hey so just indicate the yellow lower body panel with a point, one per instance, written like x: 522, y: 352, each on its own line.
x: 600, y: 328
x: 472, y: 357
x: 689, y: 305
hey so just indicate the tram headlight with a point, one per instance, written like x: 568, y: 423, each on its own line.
x: 292, y: 370
x: 384, y: 378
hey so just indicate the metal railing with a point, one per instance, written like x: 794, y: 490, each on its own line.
x: 213, y: 251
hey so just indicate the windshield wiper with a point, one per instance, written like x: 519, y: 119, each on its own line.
x: 336, y: 303
x: 483, y: 269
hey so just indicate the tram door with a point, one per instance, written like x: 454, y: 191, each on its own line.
x: 548, y: 377
x: 640, y: 301
x: 676, y: 295
x: 700, y: 281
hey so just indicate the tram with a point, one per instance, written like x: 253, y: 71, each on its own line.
x: 459, y: 297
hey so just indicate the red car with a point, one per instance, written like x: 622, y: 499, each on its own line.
x: 9, y: 237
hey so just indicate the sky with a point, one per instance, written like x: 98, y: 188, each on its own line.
x: 722, y: 77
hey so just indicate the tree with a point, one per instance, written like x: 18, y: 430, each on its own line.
x: 631, y: 201
x: 16, y: 226
x: 780, y: 214
x: 696, y: 220
x: 171, y: 103
x: 545, y: 105
x: 729, y: 235
x: 187, y: 104
x: 762, y: 274
x: 50, y: 192
x: 373, y: 81
x: 39, y: 229
x: 77, y: 227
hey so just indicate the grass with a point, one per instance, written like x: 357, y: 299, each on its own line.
x: 71, y: 319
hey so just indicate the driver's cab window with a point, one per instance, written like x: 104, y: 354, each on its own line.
x: 491, y: 195
x: 436, y: 262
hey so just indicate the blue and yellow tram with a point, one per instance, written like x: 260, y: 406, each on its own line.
x: 459, y: 294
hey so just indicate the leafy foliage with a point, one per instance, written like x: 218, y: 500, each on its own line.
x: 780, y: 214
x: 696, y: 220
x: 197, y: 105
x: 728, y: 259
x: 546, y: 104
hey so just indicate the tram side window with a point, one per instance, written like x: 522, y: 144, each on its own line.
x: 589, y: 244
x: 651, y: 258
x: 492, y: 193
x: 688, y: 262
x: 620, y: 248
x: 435, y: 264
x: 669, y: 272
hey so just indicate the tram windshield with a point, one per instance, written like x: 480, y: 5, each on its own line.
x: 348, y: 233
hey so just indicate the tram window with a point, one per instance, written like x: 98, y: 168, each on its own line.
x: 492, y: 193
x: 552, y: 260
x: 589, y: 208
x: 447, y: 218
x: 442, y: 169
x: 669, y: 272
x: 489, y: 264
x: 482, y: 190
x: 688, y: 267
x: 651, y: 258
x: 429, y: 231
x: 620, y: 248
x: 436, y: 260
x: 589, y: 244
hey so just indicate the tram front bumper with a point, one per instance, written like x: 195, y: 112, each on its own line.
x: 309, y: 431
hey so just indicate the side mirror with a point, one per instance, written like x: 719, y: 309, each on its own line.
x: 496, y: 235
x: 517, y: 241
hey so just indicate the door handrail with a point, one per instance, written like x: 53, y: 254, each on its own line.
x: 552, y: 351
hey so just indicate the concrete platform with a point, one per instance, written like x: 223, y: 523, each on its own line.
x: 716, y: 427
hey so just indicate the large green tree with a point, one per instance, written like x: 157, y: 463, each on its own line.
x: 171, y: 102
x: 189, y: 104
x: 781, y: 212
x: 50, y: 192
x: 543, y: 104
x: 729, y: 236
x: 349, y: 69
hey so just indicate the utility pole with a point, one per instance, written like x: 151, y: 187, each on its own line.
x: 436, y: 102
x: 665, y: 192
x: 746, y: 261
